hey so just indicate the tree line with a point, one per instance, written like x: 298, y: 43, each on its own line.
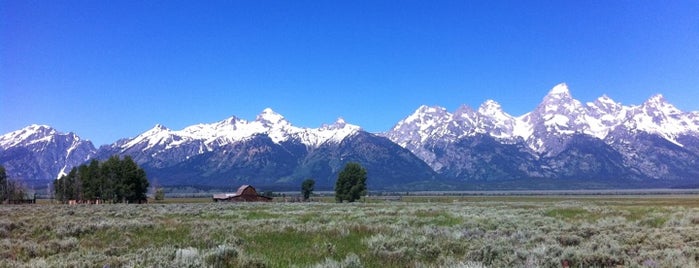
x: 10, y: 190
x: 115, y: 180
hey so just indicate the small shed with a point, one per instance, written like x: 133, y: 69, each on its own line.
x: 245, y: 193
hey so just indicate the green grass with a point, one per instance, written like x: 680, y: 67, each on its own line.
x: 569, y: 213
x: 500, y: 231
x: 436, y: 217
x: 260, y: 215
x: 290, y: 247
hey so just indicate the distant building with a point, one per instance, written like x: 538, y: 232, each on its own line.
x: 245, y: 193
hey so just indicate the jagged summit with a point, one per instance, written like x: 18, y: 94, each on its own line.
x: 657, y: 105
x: 27, y: 134
x: 605, y: 99
x: 424, y: 109
x: 160, y: 127
x: 559, y: 96
x: 339, y: 123
x: 561, y: 138
x: 490, y: 107
x: 560, y: 89
x: 40, y: 152
x: 269, y: 116
x: 209, y: 137
x: 657, y: 98
x: 558, y: 115
x: 230, y: 121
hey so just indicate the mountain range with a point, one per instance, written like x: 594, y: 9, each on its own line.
x: 562, y: 144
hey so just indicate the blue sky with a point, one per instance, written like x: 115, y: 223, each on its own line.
x: 112, y: 69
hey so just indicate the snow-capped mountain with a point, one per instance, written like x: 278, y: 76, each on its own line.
x: 558, y: 127
x: 561, y: 143
x: 266, y: 151
x: 38, y: 154
x: 161, y: 141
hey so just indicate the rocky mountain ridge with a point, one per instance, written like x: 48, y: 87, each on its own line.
x: 562, y: 143
x: 601, y: 140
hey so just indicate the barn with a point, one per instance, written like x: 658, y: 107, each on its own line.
x: 245, y: 193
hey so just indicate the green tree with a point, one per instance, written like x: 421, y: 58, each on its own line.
x: 109, y: 172
x: 116, y: 180
x: 351, y: 183
x: 91, y: 180
x: 67, y: 187
x: 307, y: 188
x: 129, y: 181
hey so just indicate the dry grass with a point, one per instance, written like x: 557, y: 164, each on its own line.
x: 506, y: 231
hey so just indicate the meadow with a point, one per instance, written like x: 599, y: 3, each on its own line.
x: 528, y: 231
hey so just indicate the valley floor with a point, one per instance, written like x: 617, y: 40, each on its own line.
x: 495, y: 231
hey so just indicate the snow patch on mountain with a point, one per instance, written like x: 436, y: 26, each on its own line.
x: 544, y: 130
x: 657, y: 116
x: 234, y: 129
x: 560, y: 89
x: 26, y: 136
x: 52, y: 151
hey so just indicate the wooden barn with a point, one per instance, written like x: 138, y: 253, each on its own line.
x: 245, y: 193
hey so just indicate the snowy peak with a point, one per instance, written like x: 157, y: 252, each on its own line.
x: 268, y: 117
x: 490, y: 108
x: 603, y: 114
x: 425, y: 111
x: 159, y: 134
x: 606, y: 104
x: 340, y: 124
x: 658, y: 105
x: 426, y: 117
x: 560, y: 90
x: 657, y: 99
x: 559, y: 97
x: 51, y: 152
x: 41, y: 130
x: 228, y: 121
x: 464, y: 112
x: 494, y: 121
x: 658, y: 116
x: 546, y: 128
x: 159, y: 128
x: 29, y: 134
x: 209, y: 137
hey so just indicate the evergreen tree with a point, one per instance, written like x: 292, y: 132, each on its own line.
x: 97, y: 184
x: 67, y: 186
x: 115, y: 180
x: 135, y: 184
x: 307, y: 188
x: 91, y: 181
x: 110, y: 173
x: 351, y: 183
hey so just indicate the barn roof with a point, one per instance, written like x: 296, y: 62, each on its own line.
x: 242, y: 188
x: 241, y: 193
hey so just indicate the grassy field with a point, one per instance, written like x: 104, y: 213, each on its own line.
x: 506, y: 231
